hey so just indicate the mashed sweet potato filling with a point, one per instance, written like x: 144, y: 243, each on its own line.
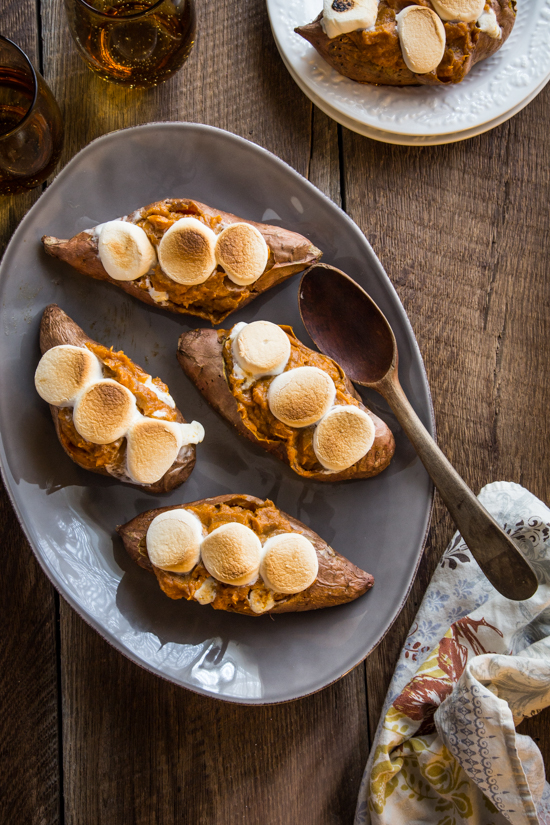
x: 255, y: 412
x: 119, y: 367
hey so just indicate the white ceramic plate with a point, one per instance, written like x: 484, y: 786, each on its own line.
x: 69, y: 515
x: 406, y: 140
x: 493, y: 90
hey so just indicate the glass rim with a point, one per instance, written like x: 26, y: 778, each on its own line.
x: 133, y: 16
x: 34, y: 77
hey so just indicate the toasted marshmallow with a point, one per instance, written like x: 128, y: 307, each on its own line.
x: 104, y: 411
x: 231, y: 553
x: 63, y: 372
x: 261, y: 348
x: 464, y: 10
x: 289, y: 563
x: 174, y: 541
x: 206, y: 593
x: 301, y: 396
x: 153, y: 446
x: 343, y: 16
x: 422, y: 38
x: 342, y: 437
x: 242, y: 253
x: 186, y: 252
x: 488, y: 23
x: 125, y: 250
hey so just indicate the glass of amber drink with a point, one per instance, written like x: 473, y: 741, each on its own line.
x: 31, y: 128
x: 137, y: 43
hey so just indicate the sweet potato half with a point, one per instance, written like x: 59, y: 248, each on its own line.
x: 201, y: 356
x: 218, y: 296
x: 374, y: 55
x: 338, y: 580
x: 57, y: 328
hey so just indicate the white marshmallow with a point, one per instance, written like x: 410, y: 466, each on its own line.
x: 125, y: 250
x: 343, y: 16
x: 260, y: 348
x: 174, y: 540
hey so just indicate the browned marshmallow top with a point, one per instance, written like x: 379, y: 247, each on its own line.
x: 242, y: 253
x: 467, y: 11
x: 422, y: 38
x: 301, y: 396
x: 63, y: 372
x: 343, y: 437
x: 104, y: 412
x: 289, y: 563
x: 186, y: 252
x: 231, y: 553
x: 153, y: 446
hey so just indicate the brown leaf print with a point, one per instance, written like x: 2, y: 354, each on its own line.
x: 452, y: 658
x: 467, y: 629
x: 422, y: 696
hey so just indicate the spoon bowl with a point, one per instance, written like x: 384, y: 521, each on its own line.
x: 362, y: 342
x: 347, y: 325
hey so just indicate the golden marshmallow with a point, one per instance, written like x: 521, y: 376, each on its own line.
x: 63, y: 372
x: 301, y: 396
x: 242, y: 253
x: 125, y: 250
x: 422, y: 38
x: 466, y: 11
x: 174, y: 541
x: 289, y: 564
x: 104, y: 412
x: 186, y: 252
x: 231, y: 553
x: 342, y: 437
x: 153, y: 446
x: 261, y: 348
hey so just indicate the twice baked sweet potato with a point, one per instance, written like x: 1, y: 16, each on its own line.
x: 215, y: 298
x: 57, y: 329
x: 205, y: 357
x: 338, y: 580
x: 375, y: 56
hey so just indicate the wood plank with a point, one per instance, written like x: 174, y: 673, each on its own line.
x: 462, y: 231
x: 29, y: 746
x: 151, y: 752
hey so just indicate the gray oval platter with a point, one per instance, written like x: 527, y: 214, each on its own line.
x: 69, y: 515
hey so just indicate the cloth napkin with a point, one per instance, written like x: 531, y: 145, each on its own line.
x: 474, y: 665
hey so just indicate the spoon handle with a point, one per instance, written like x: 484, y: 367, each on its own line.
x: 495, y: 552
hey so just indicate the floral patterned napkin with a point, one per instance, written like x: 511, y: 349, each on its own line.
x: 474, y: 665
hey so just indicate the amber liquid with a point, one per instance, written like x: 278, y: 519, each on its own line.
x: 29, y: 146
x: 135, y: 52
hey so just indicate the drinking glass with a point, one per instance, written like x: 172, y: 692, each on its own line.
x: 137, y: 43
x: 31, y: 128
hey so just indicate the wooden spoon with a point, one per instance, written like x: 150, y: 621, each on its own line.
x: 347, y: 325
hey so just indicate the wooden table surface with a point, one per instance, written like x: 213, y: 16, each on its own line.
x: 462, y: 230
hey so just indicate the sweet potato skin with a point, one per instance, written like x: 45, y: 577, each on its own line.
x: 338, y: 581
x: 375, y: 56
x: 291, y: 254
x: 57, y: 328
x: 201, y: 358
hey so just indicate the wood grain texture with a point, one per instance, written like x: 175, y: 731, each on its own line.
x: 29, y: 744
x: 140, y: 750
x: 462, y: 231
